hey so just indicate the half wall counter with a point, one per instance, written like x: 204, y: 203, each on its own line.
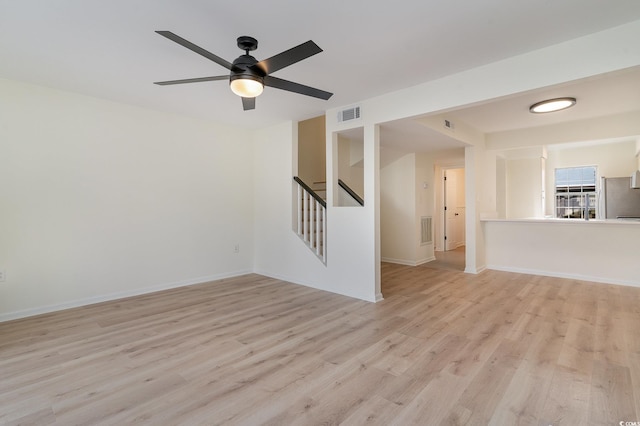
x: 606, y: 251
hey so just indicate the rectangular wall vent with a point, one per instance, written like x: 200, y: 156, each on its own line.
x: 426, y: 235
x: 349, y: 114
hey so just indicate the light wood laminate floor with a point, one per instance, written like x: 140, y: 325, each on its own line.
x: 452, y: 260
x: 442, y: 348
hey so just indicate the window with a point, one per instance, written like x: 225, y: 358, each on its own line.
x: 576, y: 192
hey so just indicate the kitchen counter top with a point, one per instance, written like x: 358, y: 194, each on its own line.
x: 632, y: 222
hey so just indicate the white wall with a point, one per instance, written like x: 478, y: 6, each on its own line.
x: 524, y: 188
x: 278, y: 252
x: 100, y: 200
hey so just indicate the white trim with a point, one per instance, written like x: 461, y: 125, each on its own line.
x: 475, y: 271
x: 281, y: 277
x: 115, y: 296
x: 398, y: 261
x: 601, y: 280
x: 408, y: 262
x: 379, y: 297
x: 427, y: 260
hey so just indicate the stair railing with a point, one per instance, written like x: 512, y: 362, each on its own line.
x: 351, y: 192
x: 312, y: 219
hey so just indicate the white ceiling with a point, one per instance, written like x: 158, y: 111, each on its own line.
x: 607, y: 94
x: 109, y: 49
x: 604, y: 95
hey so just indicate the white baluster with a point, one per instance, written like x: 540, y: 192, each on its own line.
x: 306, y: 215
x: 324, y: 235
x: 312, y: 229
x: 319, y: 227
x: 300, y: 195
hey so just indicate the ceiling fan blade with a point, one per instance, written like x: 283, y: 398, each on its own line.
x: 248, y: 103
x: 288, y: 57
x: 192, y: 80
x: 290, y: 86
x: 199, y: 50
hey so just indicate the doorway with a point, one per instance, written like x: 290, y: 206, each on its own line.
x: 453, y: 190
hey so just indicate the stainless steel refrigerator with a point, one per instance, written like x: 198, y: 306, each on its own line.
x: 618, y: 200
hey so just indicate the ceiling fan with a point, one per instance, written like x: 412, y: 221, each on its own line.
x: 247, y: 76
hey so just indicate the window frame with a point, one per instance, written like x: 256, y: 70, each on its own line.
x: 575, y: 195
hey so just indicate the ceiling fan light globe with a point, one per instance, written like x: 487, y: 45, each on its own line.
x: 246, y: 88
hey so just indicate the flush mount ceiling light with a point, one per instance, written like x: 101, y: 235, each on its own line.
x: 552, y: 105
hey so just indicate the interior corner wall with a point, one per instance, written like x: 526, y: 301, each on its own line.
x: 398, y: 211
x: 312, y: 162
x: 501, y: 187
x: 356, y: 166
x: 344, y: 155
x: 425, y: 205
x: 404, y: 200
x: 101, y: 200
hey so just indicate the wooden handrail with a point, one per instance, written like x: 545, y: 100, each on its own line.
x: 306, y: 187
x: 351, y: 192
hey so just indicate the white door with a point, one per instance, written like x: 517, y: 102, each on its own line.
x: 454, y: 209
x: 450, y: 199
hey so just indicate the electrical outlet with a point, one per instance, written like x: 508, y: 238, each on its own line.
x: 236, y: 248
x: 2, y: 275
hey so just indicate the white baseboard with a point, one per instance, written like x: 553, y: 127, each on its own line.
x: 602, y: 280
x: 427, y: 260
x: 296, y: 281
x: 408, y: 262
x: 115, y: 296
x: 475, y: 271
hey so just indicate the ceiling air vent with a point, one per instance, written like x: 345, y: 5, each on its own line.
x: 349, y: 114
x: 448, y: 124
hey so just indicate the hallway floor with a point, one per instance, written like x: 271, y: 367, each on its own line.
x: 452, y: 260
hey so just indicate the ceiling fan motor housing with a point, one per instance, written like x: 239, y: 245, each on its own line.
x: 241, y: 69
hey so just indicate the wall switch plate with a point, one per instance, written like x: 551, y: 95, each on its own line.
x: 2, y: 275
x: 236, y: 248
